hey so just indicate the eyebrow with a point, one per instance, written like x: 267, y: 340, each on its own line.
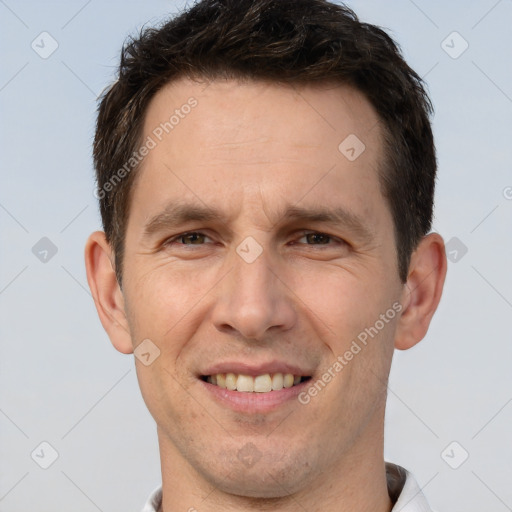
x: 175, y: 214
x: 338, y: 216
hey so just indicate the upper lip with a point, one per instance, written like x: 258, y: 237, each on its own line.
x: 245, y: 368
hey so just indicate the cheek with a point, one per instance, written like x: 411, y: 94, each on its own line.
x: 343, y: 303
x: 165, y: 394
x: 162, y: 299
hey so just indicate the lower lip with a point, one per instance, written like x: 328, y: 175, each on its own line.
x: 253, y: 402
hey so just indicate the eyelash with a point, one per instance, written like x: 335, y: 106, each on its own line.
x: 330, y: 237
x: 173, y: 240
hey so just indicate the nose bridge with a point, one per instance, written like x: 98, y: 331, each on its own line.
x: 252, y: 274
x: 252, y: 299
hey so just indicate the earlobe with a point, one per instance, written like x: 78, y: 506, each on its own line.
x: 106, y: 292
x: 422, y: 291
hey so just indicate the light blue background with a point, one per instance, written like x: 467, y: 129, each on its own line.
x: 61, y: 380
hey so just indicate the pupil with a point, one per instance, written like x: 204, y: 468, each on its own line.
x: 318, y: 238
x: 193, y: 238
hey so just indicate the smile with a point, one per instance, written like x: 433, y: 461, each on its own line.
x: 254, y: 384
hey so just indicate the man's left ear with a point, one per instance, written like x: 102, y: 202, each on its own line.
x: 422, y: 291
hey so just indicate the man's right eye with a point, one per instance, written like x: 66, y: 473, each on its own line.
x: 192, y: 238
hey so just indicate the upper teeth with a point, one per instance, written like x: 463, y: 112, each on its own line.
x: 258, y: 384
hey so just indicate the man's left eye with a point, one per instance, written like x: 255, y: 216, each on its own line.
x: 316, y: 239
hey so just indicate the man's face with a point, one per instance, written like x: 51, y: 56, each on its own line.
x: 255, y: 246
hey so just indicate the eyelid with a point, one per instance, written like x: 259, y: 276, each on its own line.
x: 305, y: 232
x: 174, y: 238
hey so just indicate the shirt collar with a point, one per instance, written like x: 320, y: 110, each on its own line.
x: 402, y: 488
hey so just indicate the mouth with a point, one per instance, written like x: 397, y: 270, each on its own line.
x: 264, y: 383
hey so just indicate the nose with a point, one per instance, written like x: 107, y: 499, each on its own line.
x: 253, y: 300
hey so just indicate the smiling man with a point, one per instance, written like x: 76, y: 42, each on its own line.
x: 266, y: 176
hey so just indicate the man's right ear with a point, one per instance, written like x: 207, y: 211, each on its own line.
x: 106, y: 292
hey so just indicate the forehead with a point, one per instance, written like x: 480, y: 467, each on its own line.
x: 228, y: 111
x: 230, y: 143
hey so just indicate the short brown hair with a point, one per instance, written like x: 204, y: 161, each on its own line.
x: 284, y: 41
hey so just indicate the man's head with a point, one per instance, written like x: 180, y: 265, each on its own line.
x: 288, y: 166
x: 295, y: 42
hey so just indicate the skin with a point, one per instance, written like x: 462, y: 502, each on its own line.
x: 251, y: 150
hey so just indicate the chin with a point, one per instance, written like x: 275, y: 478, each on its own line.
x: 254, y: 472
x: 250, y: 484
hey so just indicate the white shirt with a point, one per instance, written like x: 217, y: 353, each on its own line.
x: 402, y: 488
